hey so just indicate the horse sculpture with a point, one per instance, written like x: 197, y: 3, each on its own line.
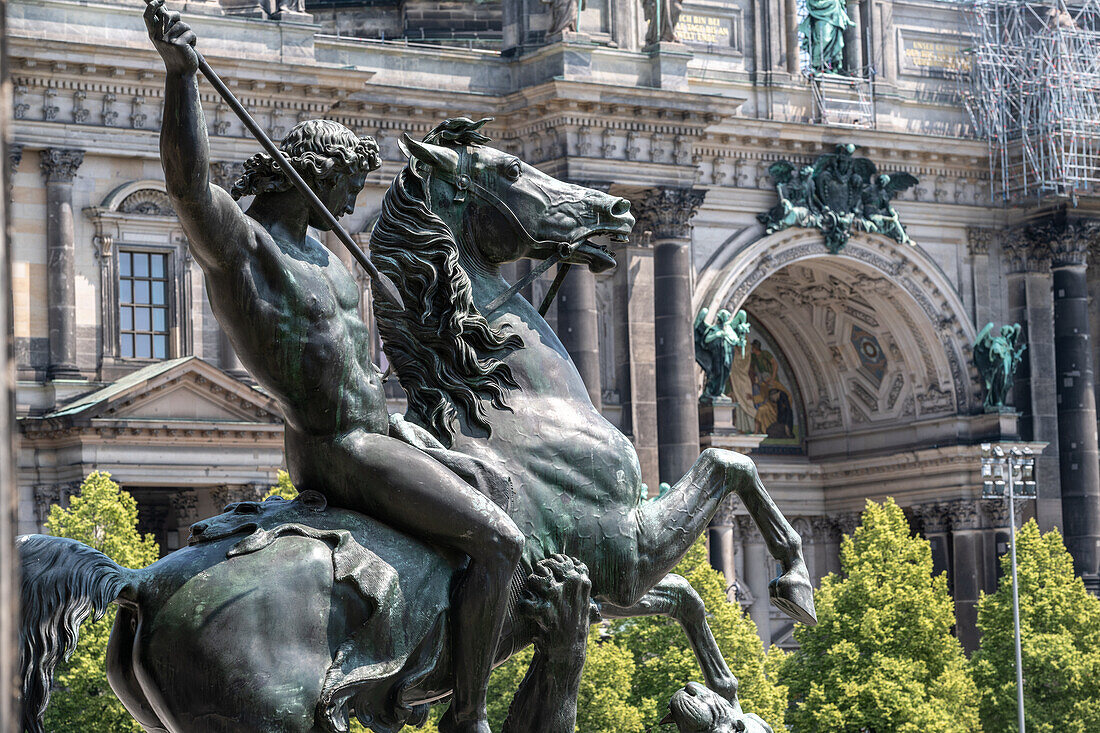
x: 289, y: 616
x: 457, y: 212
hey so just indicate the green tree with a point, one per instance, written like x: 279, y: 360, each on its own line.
x: 1060, y: 640
x: 882, y: 657
x: 105, y: 517
x: 664, y: 660
x: 283, y: 487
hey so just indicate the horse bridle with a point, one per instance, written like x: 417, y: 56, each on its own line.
x: 464, y: 184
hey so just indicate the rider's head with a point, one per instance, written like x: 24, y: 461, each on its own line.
x: 332, y: 159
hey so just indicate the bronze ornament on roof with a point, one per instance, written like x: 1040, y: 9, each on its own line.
x: 837, y: 194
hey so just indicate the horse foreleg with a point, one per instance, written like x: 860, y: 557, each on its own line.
x: 675, y: 598
x: 557, y: 604
x: 669, y: 526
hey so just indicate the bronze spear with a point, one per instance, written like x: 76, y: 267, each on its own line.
x: 385, y: 285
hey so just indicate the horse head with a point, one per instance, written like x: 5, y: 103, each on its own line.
x: 505, y: 209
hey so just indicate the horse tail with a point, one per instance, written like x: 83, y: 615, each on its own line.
x: 63, y: 582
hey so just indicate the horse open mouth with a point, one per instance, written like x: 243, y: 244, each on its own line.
x: 597, y: 257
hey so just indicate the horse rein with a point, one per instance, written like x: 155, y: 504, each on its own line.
x: 463, y: 183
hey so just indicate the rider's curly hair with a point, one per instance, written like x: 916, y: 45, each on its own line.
x: 318, y: 149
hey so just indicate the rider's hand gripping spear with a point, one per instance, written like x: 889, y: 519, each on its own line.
x: 385, y: 286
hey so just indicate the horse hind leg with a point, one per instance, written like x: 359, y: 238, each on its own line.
x: 671, y: 524
x: 675, y: 598
x: 121, y: 674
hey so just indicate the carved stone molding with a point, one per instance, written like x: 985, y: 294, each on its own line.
x: 846, y: 522
x: 45, y: 496
x: 749, y: 532
x: 147, y: 202
x: 1069, y: 244
x: 997, y: 513
x: 185, y: 504
x: 225, y: 173
x: 667, y: 212
x: 230, y: 494
x: 978, y: 240
x: 15, y: 157
x: 964, y: 514
x: 59, y: 165
x: 823, y: 530
x: 933, y: 517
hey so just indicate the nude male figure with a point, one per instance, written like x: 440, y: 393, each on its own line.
x: 290, y: 309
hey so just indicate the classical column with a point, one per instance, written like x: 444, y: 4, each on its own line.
x: 723, y: 538
x: 577, y: 327
x: 1078, y: 454
x: 634, y: 341
x: 853, y: 40
x: 934, y: 521
x: 978, y: 240
x: 758, y: 574
x: 1030, y: 303
x: 59, y: 168
x: 666, y: 213
x: 966, y: 574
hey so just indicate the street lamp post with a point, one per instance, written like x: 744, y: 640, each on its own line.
x: 1011, y: 475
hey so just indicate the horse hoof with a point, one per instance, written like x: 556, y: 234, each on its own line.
x: 792, y: 594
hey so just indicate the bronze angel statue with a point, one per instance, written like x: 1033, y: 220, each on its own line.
x: 997, y: 357
x: 714, y: 348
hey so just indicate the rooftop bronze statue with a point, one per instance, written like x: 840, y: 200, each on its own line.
x: 822, y: 34
x: 503, y: 512
x: 837, y: 194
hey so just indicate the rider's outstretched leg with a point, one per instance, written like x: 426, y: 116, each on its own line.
x: 669, y: 525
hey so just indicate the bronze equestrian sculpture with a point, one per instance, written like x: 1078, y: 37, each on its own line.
x: 416, y: 596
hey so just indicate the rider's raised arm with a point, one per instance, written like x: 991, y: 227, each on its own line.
x: 214, y: 224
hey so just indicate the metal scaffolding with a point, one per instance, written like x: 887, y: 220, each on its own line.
x: 1035, y: 96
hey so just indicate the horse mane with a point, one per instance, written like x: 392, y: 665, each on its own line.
x: 447, y: 355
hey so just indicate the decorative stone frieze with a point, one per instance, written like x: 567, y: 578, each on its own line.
x: 59, y: 165
x: 846, y: 522
x: 225, y: 173
x: 230, y: 494
x: 185, y: 505
x: 147, y: 202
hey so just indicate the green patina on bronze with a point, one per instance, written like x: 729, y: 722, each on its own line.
x: 715, y: 347
x: 503, y: 509
x: 821, y: 34
x: 837, y: 194
x: 997, y: 356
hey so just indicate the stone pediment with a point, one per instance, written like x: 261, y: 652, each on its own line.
x: 186, y: 390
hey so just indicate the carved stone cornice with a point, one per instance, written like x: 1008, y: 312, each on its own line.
x: 667, y: 211
x: 59, y: 165
x: 978, y: 240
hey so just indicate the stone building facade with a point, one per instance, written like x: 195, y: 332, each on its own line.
x: 859, y: 383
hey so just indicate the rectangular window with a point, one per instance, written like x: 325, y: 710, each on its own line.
x: 142, y: 305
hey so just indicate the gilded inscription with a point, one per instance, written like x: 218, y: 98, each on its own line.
x: 931, y: 56
x: 707, y: 30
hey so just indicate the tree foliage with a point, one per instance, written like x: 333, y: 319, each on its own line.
x: 1060, y: 633
x: 882, y: 657
x: 283, y: 487
x: 105, y: 517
